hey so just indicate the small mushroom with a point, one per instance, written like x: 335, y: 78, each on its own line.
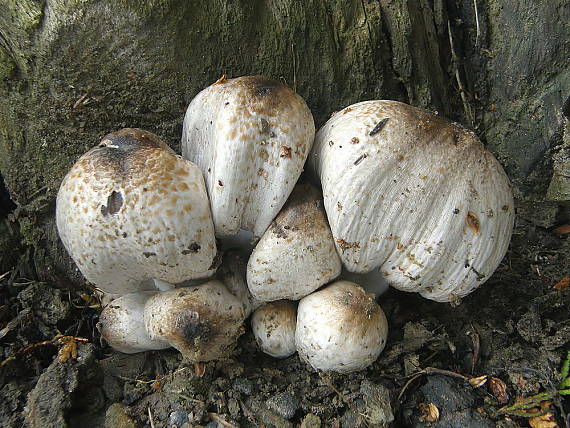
x: 250, y: 136
x: 340, y: 328
x: 273, y: 326
x: 232, y: 272
x: 414, y: 195
x: 130, y: 210
x: 203, y: 322
x: 296, y: 255
x: 121, y: 324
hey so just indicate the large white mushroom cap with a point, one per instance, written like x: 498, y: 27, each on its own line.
x: 122, y: 324
x: 203, y: 321
x: 340, y: 328
x: 273, y: 326
x: 131, y: 210
x: 250, y: 136
x: 414, y: 195
x: 297, y: 254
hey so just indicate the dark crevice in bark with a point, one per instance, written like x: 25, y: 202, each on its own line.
x: 6, y: 204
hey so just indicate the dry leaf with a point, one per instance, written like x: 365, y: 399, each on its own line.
x: 562, y: 284
x: 544, y: 421
x: 499, y: 390
x: 199, y: 369
x: 69, y: 348
x: 430, y: 413
x: 476, y: 382
x: 562, y: 230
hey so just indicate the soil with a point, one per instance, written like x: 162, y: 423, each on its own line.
x: 515, y: 330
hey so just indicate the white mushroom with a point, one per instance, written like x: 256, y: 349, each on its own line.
x: 296, y: 255
x: 250, y: 136
x: 340, y: 328
x: 273, y: 326
x: 122, y: 325
x: 232, y: 272
x: 414, y: 195
x: 131, y: 210
x: 203, y: 322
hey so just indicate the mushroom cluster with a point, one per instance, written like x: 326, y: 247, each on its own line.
x: 408, y: 199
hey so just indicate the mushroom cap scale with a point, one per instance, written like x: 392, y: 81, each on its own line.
x: 203, y: 322
x: 415, y: 195
x: 250, y: 136
x: 273, y: 326
x: 340, y: 328
x: 296, y: 254
x: 130, y: 210
x: 122, y: 325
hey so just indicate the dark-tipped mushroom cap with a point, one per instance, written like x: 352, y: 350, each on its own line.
x: 131, y: 210
x: 250, y: 136
x: 273, y: 326
x: 296, y: 255
x: 340, y: 328
x: 203, y: 322
x: 414, y: 195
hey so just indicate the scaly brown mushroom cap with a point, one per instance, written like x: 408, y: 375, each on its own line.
x: 131, y: 210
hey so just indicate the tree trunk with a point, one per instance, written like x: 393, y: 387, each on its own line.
x: 72, y: 71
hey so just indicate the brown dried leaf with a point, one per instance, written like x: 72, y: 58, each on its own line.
x: 499, y: 390
x: 430, y: 413
x: 199, y: 369
x: 562, y: 284
x: 69, y: 348
x: 544, y: 421
x: 562, y: 230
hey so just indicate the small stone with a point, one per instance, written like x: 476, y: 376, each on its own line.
x: 178, y: 418
x: 245, y: 386
x: 377, y: 406
x: 115, y: 417
x: 233, y: 407
x: 284, y: 404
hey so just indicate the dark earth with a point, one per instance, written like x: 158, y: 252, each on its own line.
x: 73, y: 71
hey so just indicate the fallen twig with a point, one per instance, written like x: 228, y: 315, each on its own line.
x: 220, y: 420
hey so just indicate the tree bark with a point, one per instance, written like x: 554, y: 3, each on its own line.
x: 72, y: 71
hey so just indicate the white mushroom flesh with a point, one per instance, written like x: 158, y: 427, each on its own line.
x: 131, y: 210
x: 250, y: 136
x: 297, y: 254
x: 273, y: 326
x: 340, y: 328
x: 414, y: 195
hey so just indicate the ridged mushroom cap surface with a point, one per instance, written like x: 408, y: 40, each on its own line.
x: 273, y: 326
x: 297, y: 254
x: 340, y: 328
x: 122, y: 324
x: 250, y: 136
x: 415, y: 195
x: 131, y: 210
x: 203, y: 322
